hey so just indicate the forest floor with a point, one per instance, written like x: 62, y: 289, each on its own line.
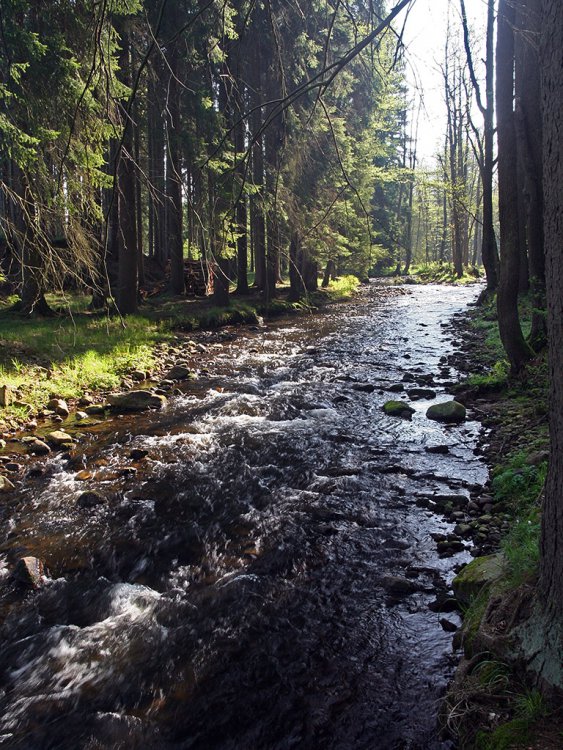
x: 492, y: 705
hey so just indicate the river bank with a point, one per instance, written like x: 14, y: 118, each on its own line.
x: 80, y: 357
x: 494, y: 703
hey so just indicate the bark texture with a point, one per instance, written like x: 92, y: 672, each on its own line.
x: 513, y: 340
x: 551, y: 579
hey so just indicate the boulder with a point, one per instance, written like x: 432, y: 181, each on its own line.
x: 58, y: 438
x: 478, y: 575
x: 29, y: 571
x: 450, y: 412
x: 398, y: 409
x: 138, y: 375
x: 136, y: 401
x: 83, y: 475
x: 416, y: 393
x: 59, y: 406
x: 179, y: 372
x: 81, y: 415
x: 5, y: 484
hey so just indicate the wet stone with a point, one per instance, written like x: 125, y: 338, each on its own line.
x: 90, y: 499
x: 398, y: 409
x: 416, y: 393
x: 136, y: 401
x: 396, y: 388
x: 59, y: 438
x: 364, y: 387
x: 444, y: 604
x: 399, y: 585
x: 29, y: 571
x: 137, y: 454
x: 95, y: 409
x: 450, y: 412
x: 179, y: 372
x: 59, y: 406
x: 448, y: 625
x: 6, y: 485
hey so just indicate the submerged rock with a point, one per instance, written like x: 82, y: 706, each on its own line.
x: 449, y: 411
x: 136, y: 401
x: 398, y: 409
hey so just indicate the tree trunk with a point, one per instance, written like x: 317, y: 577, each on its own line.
x: 174, y: 171
x: 529, y: 132
x: 489, y: 249
x: 515, y: 345
x: 551, y: 568
x: 296, y: 282
x: 127, y: 274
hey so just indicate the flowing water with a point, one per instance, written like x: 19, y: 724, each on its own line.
x: 237, y: 593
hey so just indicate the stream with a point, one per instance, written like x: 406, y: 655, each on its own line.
x: 262, y: 581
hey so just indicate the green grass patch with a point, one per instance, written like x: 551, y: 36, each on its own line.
x: 343, y: 287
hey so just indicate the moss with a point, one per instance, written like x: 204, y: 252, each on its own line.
x: 478, y: 575
x: 398, y: 409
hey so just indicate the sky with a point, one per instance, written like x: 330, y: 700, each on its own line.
x: 425, y: 33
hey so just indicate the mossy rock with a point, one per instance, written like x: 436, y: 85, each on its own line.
x: 449, y: 411
x: 477, y: 575
x: 398, y: 409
